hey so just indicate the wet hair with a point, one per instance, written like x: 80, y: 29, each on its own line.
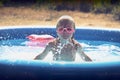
x: 66, y: 19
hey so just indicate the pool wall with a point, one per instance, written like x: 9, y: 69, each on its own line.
x: 82, y: 34
x: 40, y: 70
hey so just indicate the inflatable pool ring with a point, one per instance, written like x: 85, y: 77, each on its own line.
x: 39, y: 40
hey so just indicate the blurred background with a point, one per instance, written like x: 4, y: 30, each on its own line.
x: 93, y: 13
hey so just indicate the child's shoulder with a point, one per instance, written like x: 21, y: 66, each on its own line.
x: 53, y: 42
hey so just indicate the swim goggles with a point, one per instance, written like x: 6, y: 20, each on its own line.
x: 68, y: 30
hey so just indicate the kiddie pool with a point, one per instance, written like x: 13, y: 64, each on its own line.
x: 36, y: 69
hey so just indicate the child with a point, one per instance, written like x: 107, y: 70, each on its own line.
x: 64, y: 48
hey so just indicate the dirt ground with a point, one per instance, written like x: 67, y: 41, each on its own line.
x: 11, y: 16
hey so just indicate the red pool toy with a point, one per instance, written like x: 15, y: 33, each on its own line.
x: 39, y: 40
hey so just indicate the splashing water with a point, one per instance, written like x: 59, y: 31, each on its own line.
x: 98, y: 51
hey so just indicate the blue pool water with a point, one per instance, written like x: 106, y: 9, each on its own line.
x: 99, y: 51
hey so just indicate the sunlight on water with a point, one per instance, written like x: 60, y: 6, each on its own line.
x: 97, y: 52
x: 104, y: 52
x: 19, y: 52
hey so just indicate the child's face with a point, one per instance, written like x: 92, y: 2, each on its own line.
x: 65, y: 31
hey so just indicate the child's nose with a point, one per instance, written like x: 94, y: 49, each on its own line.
x: 64, y: 29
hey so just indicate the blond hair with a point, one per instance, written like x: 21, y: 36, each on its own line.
x: 67, y: 18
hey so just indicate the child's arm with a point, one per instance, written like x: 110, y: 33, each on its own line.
x: 82, y: 54
x: 85, y: 57
x: 44, y: 53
